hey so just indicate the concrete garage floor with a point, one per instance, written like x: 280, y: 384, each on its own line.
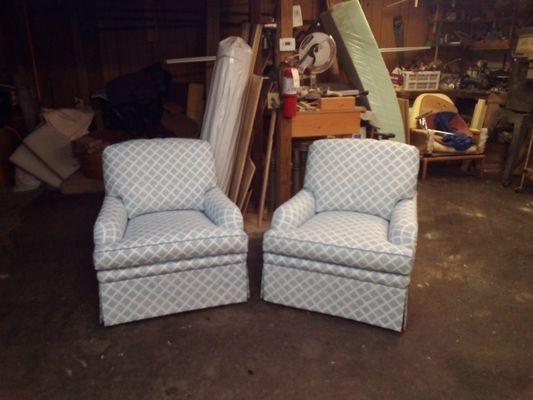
x: 469, y: 333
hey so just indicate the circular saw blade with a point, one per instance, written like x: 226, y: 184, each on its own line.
x: 317, y: 52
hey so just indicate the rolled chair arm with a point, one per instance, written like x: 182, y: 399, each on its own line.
x: 221, y: 210
x: 403, y: 226
x: 295, y: 211
x: 111, y: 222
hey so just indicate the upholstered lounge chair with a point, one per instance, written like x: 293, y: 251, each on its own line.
x: 167, y: 239
x: 345, y: 244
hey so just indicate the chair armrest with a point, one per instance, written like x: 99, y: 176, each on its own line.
x: 111, y: 222
x: 403, y: 226
x: 295, y: 211
x: 221, y: 210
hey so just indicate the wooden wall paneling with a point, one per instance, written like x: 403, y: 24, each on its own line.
x: 163, y: 29
x: 416, y: 30
x: 91, y: 46
x: 255, y: 9
x: 311, y: 9
x: 375, y: 20
x: 52, y: 44
x: 110, y: 55
x: 18, y: 60
x: 387, y: 32
x: 212, y: 36
x: 79, y: 58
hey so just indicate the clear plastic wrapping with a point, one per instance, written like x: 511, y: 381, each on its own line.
x: 224, y: 104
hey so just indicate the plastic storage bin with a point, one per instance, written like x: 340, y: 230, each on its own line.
x: 421, y: 80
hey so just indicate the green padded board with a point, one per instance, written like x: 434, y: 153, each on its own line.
x: 361, y: 59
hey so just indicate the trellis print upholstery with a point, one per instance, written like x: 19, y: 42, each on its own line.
x: 166, y: 239
x: 345, y: 244
x: 159, y: 174
x: 361, y: 176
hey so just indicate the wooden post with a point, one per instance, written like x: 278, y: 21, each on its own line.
x: 283, y: 137
x: 255, y: 14
x: 212, y: 37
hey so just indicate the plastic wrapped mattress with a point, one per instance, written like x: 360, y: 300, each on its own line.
x: 362, y: 62
x: 224, y: 104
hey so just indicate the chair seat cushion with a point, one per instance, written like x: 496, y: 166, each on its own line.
x: 169, y: 236
x: 344, y: 238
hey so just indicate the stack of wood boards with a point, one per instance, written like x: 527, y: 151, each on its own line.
x: 244, y: 167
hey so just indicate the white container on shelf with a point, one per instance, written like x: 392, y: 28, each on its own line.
x: 421, y: 80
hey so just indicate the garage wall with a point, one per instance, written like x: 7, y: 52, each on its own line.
x: 80, y: 45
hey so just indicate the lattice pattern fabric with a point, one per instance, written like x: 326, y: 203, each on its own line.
x: 221, y: 210
x: 344, y: 238
x: 111, y: 222
x: 403, y: 229
x: 374, y: 304
x: 294, y: 212
x: 115, y: 275
x: 167, y: 239
x: 153, y: 296
x: 382, y: 278
x: 366, y: 176
x: 159, y: 174
x: 169, y: 236
x: 345, y: 244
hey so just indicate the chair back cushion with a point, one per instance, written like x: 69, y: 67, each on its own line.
x: 159, y: 174
x: 361, y: 175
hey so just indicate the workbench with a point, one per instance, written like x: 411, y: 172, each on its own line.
x: 309, y: 125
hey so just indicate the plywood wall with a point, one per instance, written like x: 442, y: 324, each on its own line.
x: 380, y: 18
x: 80, y: 46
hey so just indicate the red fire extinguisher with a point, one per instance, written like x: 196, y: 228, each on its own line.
x: 288, y: 93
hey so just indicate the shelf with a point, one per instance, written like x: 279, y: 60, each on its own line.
x: 500, y: 44
x: 481, y: 45
x: 477, y: 21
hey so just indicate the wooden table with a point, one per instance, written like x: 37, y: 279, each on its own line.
x: 309, y: 124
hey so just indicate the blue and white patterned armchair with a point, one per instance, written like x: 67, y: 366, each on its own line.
x: 345, y: 244
x: 167, y: 239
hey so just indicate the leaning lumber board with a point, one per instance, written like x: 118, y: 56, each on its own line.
x: 253, y: 93
x: 247, y: 201
x: 266, y: 170
x: 248, y: 174
x: 255, y: 43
